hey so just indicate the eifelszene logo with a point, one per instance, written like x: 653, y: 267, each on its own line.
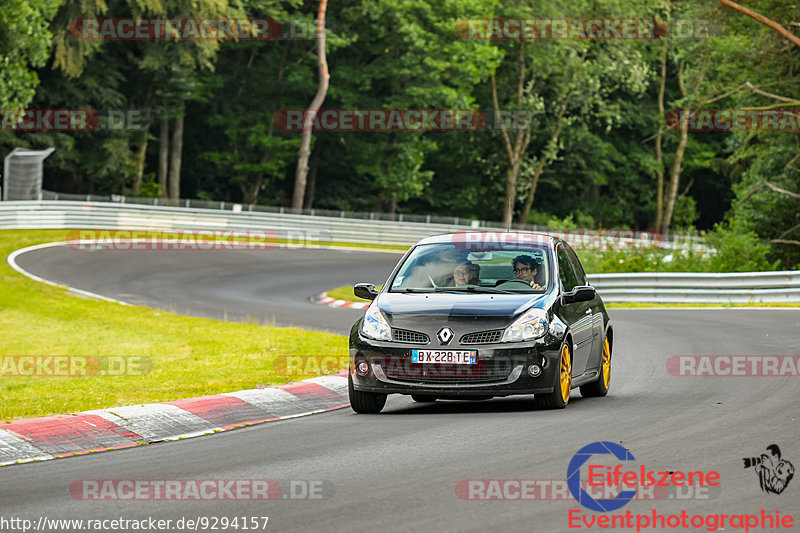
x: 616, y: 476
x: 774, y: 473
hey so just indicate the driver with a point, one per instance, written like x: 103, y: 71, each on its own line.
x: 467, y: 273
x: 526, y: 268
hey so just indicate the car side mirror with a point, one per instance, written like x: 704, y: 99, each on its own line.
x: 583, y: 293
x: 365, y: 290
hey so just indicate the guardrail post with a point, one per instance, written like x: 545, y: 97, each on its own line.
x: 427, y: 219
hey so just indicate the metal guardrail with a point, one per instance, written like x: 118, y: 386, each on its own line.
x: 579, y: 237
x: 307, y: 229
x: 699, y: 287
x: 109, y: 215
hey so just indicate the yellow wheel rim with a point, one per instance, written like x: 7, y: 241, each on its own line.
x: 566, y: 373
x: 606, y: 364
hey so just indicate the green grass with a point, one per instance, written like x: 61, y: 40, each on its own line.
x: 189, y: 356
x: 346, y: 293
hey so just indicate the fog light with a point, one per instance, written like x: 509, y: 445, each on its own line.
x: 534, y: 370
x: 362, y: 368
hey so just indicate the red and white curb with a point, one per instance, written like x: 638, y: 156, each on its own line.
x: 39, y: 439
x: 324, y: 299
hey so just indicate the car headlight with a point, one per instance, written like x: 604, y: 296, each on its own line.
x: 375, y: 326
x: 531, y: 325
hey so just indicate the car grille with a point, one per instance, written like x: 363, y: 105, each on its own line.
x: 413, y: 337
x: 482, y: 337
x: 402, y: 369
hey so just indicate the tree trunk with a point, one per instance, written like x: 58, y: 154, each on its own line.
x: 659, y: 156
x: 140, y: 159
x: 163, y: 158
x: 515, y: 151
x: 250, y: 192
x: 675, y: 172
x: 511, y: 192
x: 547, y: 156
x: 312, y: 179
x: 674, y: 179
x: 175, y: 158
x: 324, y: 77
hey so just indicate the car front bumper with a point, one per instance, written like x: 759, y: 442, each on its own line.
x: 502, y: 370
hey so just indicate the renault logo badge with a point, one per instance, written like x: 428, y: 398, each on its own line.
x: 445, y: 335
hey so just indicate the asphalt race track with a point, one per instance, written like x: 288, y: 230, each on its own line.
x: 398, y: 471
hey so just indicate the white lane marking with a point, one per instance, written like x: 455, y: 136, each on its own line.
x: 15, y: 450
x: 12, y: 262
x: 337, y: 384
x: 157, y: 421
x: 271, y: 400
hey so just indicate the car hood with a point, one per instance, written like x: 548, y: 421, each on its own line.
x: 448, y: 305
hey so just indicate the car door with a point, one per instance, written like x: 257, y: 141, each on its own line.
x: 577, y: 315
x: 594, y: 306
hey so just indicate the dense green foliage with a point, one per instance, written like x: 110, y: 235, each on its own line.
x: 590, y: 157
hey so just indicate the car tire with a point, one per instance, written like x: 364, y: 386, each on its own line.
x: 559, y: 398
x: 423, y: 399
x: 599, y: 388
x: 364, y: 402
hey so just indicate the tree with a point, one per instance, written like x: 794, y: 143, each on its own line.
x: 305, y: 144
x: 558, y: 82
x: 24, y: 45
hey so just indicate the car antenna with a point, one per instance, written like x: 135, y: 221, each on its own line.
x: 510, y: 214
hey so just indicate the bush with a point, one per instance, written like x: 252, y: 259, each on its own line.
x: 738, y: 249
x: 729, y: 248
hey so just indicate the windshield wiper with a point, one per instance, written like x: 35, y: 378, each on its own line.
x: 472, y: 288
x: 411, y: 289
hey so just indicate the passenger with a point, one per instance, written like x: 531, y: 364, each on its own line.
x: 526, y: 268
x: 467, y: 273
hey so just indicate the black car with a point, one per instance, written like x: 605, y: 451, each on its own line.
x: 479, y: 315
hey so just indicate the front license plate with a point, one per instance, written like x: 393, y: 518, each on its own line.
x: 453, y: 357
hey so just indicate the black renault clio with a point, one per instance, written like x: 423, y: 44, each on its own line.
x: 477, y: 315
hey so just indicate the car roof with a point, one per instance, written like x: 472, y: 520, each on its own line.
x: 491, y: 236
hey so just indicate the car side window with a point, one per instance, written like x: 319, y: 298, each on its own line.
x: 580, y: 274
x: 565, y: 271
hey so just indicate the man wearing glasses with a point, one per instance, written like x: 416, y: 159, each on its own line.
x: 525, y: 268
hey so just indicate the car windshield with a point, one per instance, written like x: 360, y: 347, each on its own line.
x: 450, y: 268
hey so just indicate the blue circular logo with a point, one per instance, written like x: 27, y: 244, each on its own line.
x: 574, y: 476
